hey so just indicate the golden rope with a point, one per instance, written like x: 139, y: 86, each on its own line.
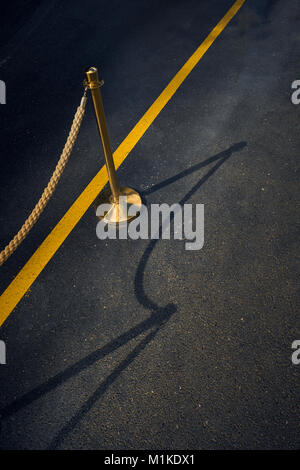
x: 49, y: 190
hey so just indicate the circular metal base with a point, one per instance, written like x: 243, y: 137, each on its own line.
x: 118, y: 212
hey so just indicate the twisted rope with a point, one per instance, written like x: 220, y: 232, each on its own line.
x: 49, y: 190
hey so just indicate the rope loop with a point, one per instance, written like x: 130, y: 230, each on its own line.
x: 50, y: 188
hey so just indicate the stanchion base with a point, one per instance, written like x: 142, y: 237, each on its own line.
x: 118, y: 212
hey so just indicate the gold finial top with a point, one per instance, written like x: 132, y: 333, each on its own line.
x: 92, y: 78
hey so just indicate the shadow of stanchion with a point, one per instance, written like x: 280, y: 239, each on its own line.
x: 158, y: 318
x: 220, y: 158
x: 162, y: 316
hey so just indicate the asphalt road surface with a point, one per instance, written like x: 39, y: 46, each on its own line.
x: 142, y: 344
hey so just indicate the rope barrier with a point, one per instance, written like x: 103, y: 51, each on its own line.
x: 50, y: 188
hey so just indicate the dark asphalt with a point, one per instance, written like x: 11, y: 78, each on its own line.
x: 142, y: 344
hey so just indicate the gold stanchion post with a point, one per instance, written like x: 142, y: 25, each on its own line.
x: 118, y: 212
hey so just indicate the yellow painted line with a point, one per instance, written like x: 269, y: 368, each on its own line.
x: 34, y: 266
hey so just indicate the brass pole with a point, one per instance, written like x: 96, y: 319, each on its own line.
x: 118, y: 212
x: 93, y: 83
